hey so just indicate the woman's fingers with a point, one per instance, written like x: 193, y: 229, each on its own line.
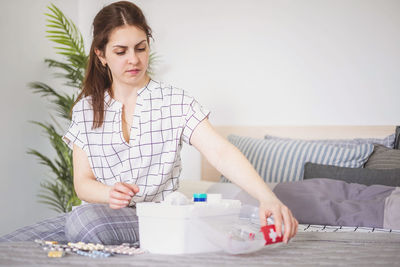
x: 118, y: 203
x: 124, y: 188
x: 121, y: 194
x: 294, y: 224
x: 134, y: 188
x: 278, y: 222
x: 296, y: 227
x: 113, y: 206
x: 287, y: 220
x: 118, y: 195
x: 290, y: 224
x: 263, y: 217
x: 285, y: 223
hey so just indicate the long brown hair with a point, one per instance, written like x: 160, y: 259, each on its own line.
x: 98, y: 78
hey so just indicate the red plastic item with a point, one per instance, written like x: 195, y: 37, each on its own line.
x: 270, y: 235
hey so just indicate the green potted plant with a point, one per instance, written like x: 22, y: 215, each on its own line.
x: 58, y: 191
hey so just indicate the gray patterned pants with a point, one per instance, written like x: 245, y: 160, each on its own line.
x: 95, y: 223
x: 98, y: 223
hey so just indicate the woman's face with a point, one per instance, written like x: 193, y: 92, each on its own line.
x: 127, y: 56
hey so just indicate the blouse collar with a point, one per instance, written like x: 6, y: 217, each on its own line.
x: 115, y: 105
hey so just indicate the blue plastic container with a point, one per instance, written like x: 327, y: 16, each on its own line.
x: 200, y: 197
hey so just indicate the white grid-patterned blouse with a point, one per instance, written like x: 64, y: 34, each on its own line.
x: 164, y: 116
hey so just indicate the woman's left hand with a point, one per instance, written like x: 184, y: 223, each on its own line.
x: 274, y: 207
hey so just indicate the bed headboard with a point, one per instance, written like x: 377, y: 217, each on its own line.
x: 209, y: 173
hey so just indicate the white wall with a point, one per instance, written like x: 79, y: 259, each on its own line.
x: 23, y: 48
x: 281, y: 62
x: 250, y: 62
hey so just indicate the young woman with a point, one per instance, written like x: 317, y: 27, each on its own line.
x: 127, y: 131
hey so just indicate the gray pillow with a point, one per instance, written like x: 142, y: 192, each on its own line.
x: 383, y: 158
x: 397, y: 138
x: 389, y: 177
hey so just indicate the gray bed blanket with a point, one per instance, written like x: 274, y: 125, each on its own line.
x: 333, y: 202
x: 307, y: 249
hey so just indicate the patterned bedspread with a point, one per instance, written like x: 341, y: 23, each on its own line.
x: 343, y: 229
x: 313, y: 245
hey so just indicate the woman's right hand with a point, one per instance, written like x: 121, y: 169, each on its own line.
x: 121, y: 194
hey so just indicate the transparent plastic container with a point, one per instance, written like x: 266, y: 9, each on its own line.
x: 242, y: 237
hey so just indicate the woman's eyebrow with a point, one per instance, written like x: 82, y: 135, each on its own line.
x: 124, y: 46
x: 141, y: 42
x: 120, y: 46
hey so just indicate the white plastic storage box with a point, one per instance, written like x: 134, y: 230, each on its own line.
x: 170, y: 229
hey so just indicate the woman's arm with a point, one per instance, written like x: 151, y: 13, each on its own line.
x: 228, y: 160
x: 92, y: 191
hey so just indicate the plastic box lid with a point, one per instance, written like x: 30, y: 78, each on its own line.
x: 193, y: 210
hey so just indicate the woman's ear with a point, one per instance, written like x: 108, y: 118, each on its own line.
x: 100, y: 56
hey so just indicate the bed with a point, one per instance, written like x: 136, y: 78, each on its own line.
x: 315, y: 244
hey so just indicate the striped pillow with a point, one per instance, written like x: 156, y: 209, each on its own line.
x: 388, y: 141
x: 283, y: 160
